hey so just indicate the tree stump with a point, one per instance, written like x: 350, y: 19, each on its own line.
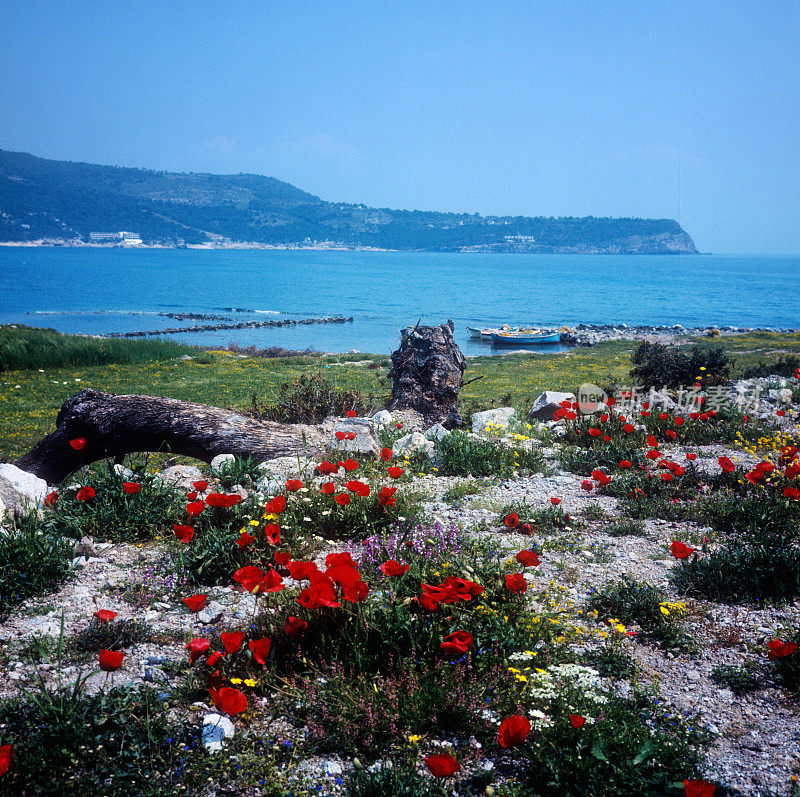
x: 117, y: 425
x: 428, y: 373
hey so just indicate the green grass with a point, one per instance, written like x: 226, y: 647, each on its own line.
x: 26, y: 348
x: 28, y: 412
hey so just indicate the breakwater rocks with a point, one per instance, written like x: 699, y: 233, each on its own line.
x: 590, y: 334
x: 277, y: 322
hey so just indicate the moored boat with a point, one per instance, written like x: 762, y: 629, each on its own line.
x: 524, y: 337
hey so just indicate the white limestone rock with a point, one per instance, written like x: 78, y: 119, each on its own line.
x: 500, y: 417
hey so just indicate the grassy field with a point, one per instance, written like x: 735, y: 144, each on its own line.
x: 30, y: 400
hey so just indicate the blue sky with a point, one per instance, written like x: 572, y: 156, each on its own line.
x: 686, y: 110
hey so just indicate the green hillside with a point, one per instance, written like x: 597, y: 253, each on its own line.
x: 67, y: 201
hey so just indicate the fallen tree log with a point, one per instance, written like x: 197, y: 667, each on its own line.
x: 117, y: 425
x: 428, y: 373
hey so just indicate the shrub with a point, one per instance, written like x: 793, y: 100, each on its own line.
x: 311, y: 399
x: 658, y: 365
x: 391, y: 782
x: 112, y: 513
x: 629, y: 601
x: 530, y: 520
x: 459, y: 454
x: 784, y: 366
x: 33, y: 561
x: 627, y: 527
x: 752, y: 568
x: 740, y: 680
x: 113, y: 635
x: 243, y: 471
x: 117, y: 742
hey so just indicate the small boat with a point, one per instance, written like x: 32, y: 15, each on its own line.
x: 524, y: 337
x: 474, y: 332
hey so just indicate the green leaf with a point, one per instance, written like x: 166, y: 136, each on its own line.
x: 598, y: 753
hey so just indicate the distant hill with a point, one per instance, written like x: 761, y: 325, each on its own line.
x: 61, y: 200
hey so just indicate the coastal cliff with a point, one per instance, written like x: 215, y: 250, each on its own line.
x: 61, y: 202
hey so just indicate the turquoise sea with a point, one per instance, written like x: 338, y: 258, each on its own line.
x: 97, y: 291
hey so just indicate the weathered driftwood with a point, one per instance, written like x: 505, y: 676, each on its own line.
x: 117, y: 425
x: 428, y: 372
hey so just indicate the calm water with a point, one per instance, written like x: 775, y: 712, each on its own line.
x: 111, y: 290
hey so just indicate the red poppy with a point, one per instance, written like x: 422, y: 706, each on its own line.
x: 222, y: 501
x: 351, y: 413
x: 51, y: 498
x: 195, y: 508
x: 275, y: 505
x: 667, y: 477
x: 183, y: 533
x: 628, y: 428
x: 194, y: 603
x: 350, y: 464
x: 110, y: 660
x: 570, y: 416
x: 340, y: 435
x: 317, y: 595
x: 192, y: 496
x: 654, y: 454
x: 511, y: 520
x: 528, y: 558
x: 651, y: 441
x: 228, y: 700
x: 781, y: 413
x: 386, y: 496
x: 587, y: 485
x: 698, y: 788
x: 294, y: 626
x: 677, y: 470
x: 644, y: 414
x: 611, y: 401
x: 442, y: 765
x: 85, y: 494
x: 214, y: 658
x: 603, y: 418
x: 791, y: 492
x: 595, y: 432
x: 283, y: 558
x: 680, y: 551
x: 328, y: 488
x: 513, y: 731
x: 273, y: 533
x: 232, y: 640
x: 249, y: 577
x: 780, y: 650
x: 343, y: 499
x: 624, y: 464
x: 197, y: 647
x: 200, y: 486
x: 672, y: 435
x: 244, y: 540
x: 691, y: 456
x: 105, y: 615
x: 395, y: 472
x: 606, y: 438
x: 393, y: 568
x: 577, y: 721
x: 458, y: 642
x: 78, y: 443
x: 260, y: 649
x: 645, y: 405
x: 679, y: 421
x: 131, y: 488
x: 326, y: 468
x: 357, y: 487
x: 386, y: 454
x: 694, y: 415
x: 5, y: 759
x: 340, y: 558
x: 293, y: 485
x: 302, y: 570
x: 516, y: 582
x: 726, y: 464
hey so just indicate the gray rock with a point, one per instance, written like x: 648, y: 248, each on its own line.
x: 222, y: 462
x: 85, y: 547
x: 412, y: 444
x: 437, y: 432
x: 382, y: 418
x: 181, y: 476
x: 216, y: 729
x: 364, y: 442
x: 121, y: 470
x: 20, y: 491
x: 211, y: 613
x: 154, y: 675
x: 156, y: 660
x: 546, y: 405
x: 500, y: 417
